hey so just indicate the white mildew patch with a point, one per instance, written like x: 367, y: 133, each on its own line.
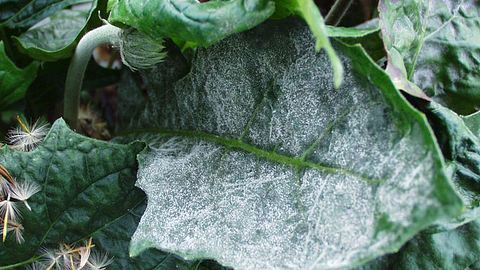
x: 269, y: 167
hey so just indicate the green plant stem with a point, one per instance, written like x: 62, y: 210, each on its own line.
x: 76, y: 71
x: 338, y: 10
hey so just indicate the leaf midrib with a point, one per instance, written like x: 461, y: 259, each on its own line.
x: 233, y: 143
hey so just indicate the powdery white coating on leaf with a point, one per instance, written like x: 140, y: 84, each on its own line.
x: 268, y: 88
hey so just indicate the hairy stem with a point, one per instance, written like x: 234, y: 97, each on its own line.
x: 338, y: 10
x: 73, y: 84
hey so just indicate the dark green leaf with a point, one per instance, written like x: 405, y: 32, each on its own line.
x: 57, y: 38
x: 14, y: 81
x: 461, y: 148
x: 196, y: 23
x: 263, y: 164
x: 434, y: 44
x: 25, y: 13
x: 87, y: 191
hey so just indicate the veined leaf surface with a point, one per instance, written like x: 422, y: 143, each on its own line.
x: 262, y: 164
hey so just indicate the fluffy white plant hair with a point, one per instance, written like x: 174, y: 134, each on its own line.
x: 140, y: 51
x: 26, y: 136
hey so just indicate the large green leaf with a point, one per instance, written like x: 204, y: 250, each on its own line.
x: 190, y: 21
x: 57, y: 38
x: 260, y: 164
x: 22, y: 14
x: 435, y: 44
x: 457, y: 249
x: 14, y: 81
x: 87, y: 191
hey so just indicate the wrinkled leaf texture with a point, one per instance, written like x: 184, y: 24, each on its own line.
x: 435, y: 45
x: 461, y: 148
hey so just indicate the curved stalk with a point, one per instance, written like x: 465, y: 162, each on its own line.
x: 73, y: 84
x: 338, y: 10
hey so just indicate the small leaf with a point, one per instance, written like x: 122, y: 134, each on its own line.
x: 57, y: 38
x: 14, y: 81
x: 261, y: 164
x: 435, y: 43
x: 201, y: 24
